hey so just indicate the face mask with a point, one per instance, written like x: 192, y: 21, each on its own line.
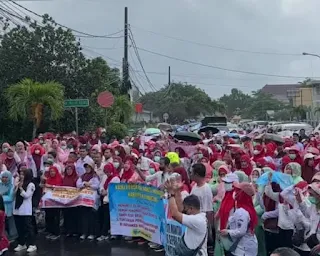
x: 256, y: 152
x: 116, y: 165
x: 157, y: 159
x: 46, y: 168
x: 292, y: 156
x: 312, y: 200
x: 152, y: 171
x: 228, y: 186
x: 116, y: 153
x: 64, y: 147
x: 138, y: 166
x: 37, y: 152
x: 200, y: 156
x: 5, y: 150
x: 254, y: 143
x: 254, y: 180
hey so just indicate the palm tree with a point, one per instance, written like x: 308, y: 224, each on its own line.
x: 299, y: 112
x: 27, y: 100
x: 121, y: 109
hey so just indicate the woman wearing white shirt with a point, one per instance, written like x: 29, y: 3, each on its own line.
x: 111, y: 176
x: 22, y: 211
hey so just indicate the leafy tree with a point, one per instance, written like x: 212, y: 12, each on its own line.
x: 44, y: 52
x: 260, y: 103
x: 117, y: 129
x: 180, y: 101
x: 235, y: 102
x: 299, y: 112
x: 27, y: 100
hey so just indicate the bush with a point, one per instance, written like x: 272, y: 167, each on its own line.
x: 117, y: 129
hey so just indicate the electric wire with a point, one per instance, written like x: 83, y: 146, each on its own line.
x: 216, y: 46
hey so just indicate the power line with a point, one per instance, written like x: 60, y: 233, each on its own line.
x: 74, y: 30
x: 202, y: 76
x: 102, y: 55
x: 219, y: 68
x: 139, y: 59
x: 216, y: 46
x: 138, y: 73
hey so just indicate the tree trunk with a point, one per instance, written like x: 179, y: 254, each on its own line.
x: 34, y: 130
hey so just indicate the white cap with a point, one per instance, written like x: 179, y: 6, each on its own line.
x: 230, y: 178
x: 308, y: 156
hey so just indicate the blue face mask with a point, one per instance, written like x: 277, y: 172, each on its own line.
x: 156, y: 159
x: 152, y: 171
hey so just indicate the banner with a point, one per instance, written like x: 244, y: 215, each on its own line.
x: 65, y: 197
x: 137, y: 210
x: 173, y: 232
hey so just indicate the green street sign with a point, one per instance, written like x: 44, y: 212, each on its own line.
x: 76, y: 103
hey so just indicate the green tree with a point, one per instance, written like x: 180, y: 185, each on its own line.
x: 27, y: 100
x: 260, y: 103
x: 235, y: 102
x: 300, y: 112
x: 180, y: 101
x: 45, y: 52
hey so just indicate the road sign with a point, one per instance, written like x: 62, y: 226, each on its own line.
x: 105, y: 99
x: 76, y: 103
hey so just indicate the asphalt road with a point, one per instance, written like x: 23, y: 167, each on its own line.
x: 75, y: 247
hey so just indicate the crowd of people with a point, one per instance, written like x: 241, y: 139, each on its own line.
x: 236, y: 197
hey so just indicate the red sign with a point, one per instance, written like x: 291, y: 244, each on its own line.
x: 138, y: 107
x: 105, y: 99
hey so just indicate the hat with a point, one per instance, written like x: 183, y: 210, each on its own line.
x: 246, y: 187
x: 230, y: 178
x: 89, y: 162
x: 308, y: 156
x: 315, y: 187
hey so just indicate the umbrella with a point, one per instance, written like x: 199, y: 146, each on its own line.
x: 208, y: 128
x: 187, y: 136
x: 152, y: 131
x: 273, y: 137
x: 233, y: 135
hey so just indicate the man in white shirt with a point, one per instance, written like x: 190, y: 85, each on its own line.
x: 195, y: 237
x: 84, y: 158
x: 203, y: 191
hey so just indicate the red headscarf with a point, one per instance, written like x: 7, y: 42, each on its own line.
x: 111, y: 172
x: 227, y: 204
x: 56, y: 180
x: 127, y: 174
x: 261, y: 150
x: 70, y: 180
x: 245, y: 201
x: 248, y: 169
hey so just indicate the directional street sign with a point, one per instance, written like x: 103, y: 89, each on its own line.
x: 76, y: 103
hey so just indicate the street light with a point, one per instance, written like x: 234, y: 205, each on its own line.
x: 312, y: 91
x: 311, y: 54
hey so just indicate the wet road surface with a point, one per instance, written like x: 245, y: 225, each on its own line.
x: 75, y: 247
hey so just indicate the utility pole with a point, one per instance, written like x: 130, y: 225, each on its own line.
x: 125, y: 63
x: 169, y: 73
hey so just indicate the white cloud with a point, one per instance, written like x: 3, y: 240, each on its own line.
x: 287, y: 26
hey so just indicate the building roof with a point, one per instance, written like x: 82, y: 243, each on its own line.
x: 279, y: 91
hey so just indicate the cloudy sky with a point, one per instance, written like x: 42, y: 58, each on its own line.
x: 250, y: 29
